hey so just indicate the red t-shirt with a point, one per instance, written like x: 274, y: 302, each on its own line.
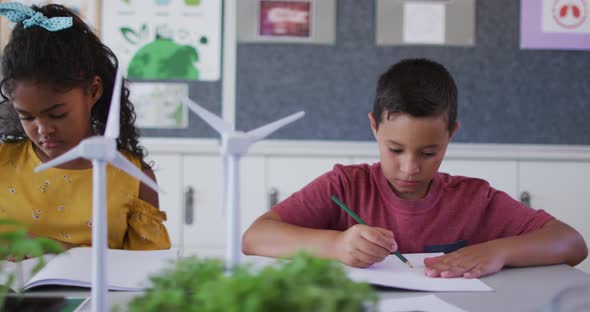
x: 455, y: 209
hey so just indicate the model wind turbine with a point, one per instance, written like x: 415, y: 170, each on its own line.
x: 102, y: 150
x: 235, y: 144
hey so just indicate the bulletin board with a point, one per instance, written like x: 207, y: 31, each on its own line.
x: 506, y: 94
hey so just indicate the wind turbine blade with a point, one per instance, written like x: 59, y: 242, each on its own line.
x: 64, y: 158
x: 124, y: 164
x: 264, y: 131
x: 213, y: 120
x: 112, y: 127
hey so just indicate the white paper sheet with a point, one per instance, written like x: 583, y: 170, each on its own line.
x: 128, y: 270
x: 393, y: 273
x: 424, y: 22
x: 159, y: 105
x: 428, y: 303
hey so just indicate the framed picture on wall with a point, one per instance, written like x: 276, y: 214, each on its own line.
x: 88, y: 10
x: 287, y: 21
x: 425, y: 22
x: 280, y: 18
x: 555, y: 24
x: 165, y: 40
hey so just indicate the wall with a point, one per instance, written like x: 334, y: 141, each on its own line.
x: 507, y: 95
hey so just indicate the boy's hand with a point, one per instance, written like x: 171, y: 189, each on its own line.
x: 469, y: 262
x: 361, y: 245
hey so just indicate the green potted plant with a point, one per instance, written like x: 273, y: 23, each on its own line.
x: 304, y: 283
x: 16, y: 244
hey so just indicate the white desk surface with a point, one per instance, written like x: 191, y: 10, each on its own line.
x: 516, y: 289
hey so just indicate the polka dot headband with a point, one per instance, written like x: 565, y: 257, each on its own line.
x: 17, y: 12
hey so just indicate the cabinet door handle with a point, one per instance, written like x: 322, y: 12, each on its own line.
x: 189, y: 195
x: 273, y: 197
x: 525, y: 198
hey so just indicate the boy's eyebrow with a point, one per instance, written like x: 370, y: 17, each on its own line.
x: 50, y: 108
x: 427, y: 146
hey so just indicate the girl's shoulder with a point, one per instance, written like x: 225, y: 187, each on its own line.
x: 12, y: 149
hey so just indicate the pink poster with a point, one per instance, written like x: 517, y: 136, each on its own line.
x: 285, y: 18
x: 555, y: 24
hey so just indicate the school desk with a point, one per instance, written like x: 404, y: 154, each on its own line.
x: 529, y: 289
x: 517, y: 289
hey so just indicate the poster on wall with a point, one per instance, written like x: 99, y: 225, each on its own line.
x: 284, y: 18
x: 555, y: 24
x: 159, y: 105
x: 88, y: 10
x: 286, y: 21
x: 425, y: 22
x: 165, y: 39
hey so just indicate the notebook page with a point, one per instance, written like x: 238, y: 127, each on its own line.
x: 393, y: 273
x: 127, y: 269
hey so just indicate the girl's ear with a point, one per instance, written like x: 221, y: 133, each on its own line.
x: 95, y: 90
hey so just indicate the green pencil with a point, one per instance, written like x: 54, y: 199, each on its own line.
x: 359, y: 220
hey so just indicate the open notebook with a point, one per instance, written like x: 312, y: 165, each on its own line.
x: 393, y: 273
x: 128, y: 270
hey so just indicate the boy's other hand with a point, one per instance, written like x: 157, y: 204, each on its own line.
x: 361, y: 245
x: 469, y: 262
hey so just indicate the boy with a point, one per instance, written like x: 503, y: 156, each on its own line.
x: 407, y: 204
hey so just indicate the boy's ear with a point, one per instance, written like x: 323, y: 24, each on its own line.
x: 95, y: 90
x: 455, y: 128
x: 373, y: 124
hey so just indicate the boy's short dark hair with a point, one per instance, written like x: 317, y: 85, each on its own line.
x: 419, y: 87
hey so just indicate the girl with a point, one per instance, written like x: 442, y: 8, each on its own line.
x: 58, y: 80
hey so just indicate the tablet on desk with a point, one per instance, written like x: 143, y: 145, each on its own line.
x: 48, y: 304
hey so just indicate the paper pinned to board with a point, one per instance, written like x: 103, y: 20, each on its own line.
x: 424, y: 22
x: 393, y: 273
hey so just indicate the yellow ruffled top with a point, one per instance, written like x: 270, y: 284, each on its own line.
x: 57, y: 203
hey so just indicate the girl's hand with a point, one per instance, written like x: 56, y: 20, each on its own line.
x: 64, y: 245
x: 361, y: 245
x: 469, y: 262
x: 36, y: 246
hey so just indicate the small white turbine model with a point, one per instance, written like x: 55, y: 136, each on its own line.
x: 235, y: 144
x: 102, y: 150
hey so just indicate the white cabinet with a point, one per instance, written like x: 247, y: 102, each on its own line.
x: 204, y: 223
x: 560, y: 188
x: 253, y: 199
x: 286, y: 175
x: 204, y: 230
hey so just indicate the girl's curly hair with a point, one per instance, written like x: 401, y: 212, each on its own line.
x: 64, y: 59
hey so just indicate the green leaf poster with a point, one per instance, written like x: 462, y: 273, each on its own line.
x: 164, y: 39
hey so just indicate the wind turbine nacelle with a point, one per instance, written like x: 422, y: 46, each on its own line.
x: 236, y: 143
x: 98, y: 147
